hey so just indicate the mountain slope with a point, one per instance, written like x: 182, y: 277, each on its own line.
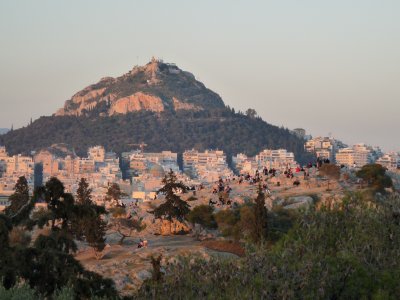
x: 222, y: 129
x: 158, y: 104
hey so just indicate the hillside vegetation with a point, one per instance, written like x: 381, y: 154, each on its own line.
x: 349, y: 251
x: 176, y: 131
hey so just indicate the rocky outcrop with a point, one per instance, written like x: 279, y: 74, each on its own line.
x: 85, y: 99
x: 135, y: 102
x: 156, y: 86
x: 178, y: 105
x: 176, y: 227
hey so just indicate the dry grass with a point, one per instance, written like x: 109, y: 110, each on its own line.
x: 225, y: 246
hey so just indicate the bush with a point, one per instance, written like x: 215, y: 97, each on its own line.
x: 227, y: 221
x: 18, y: 293
x: 203, y: 215
x: 376, y: 177
x: 118, y: 212
x: 345, y: 252
x: 19, y: 237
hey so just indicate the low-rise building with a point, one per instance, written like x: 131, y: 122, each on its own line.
x: 391, y: 161
x: 322, y: 147
x: 207, y: 166
x: 278, y: 159
x: 357, y: 156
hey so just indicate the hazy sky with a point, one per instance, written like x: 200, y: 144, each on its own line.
x: 326, y: 66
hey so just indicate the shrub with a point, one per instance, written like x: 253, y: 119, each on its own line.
x: 19, y: 237
x: 349, y: 251
x: 203, y: 215
x: 228, y: 222
x: 376, y: 177
x: 18, y: 292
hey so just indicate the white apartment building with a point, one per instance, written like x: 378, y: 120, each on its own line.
x: 357, y: 156
x: 245, y: 164
x: 205, y: 165
x: 322, y: 147
x: 275, y: 158
x: 141, y: 163
x: 391, y: 161
x: 166, y: 159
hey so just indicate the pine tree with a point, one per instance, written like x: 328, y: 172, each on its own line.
x: 95, y: 232
x: 114, y: 194
x: 174, y: 207
x: 19, y: 198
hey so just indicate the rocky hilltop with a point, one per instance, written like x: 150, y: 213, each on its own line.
x: 158, y: 104
x: 156, y: 87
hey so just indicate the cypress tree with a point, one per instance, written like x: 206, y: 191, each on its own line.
x: 260, y: 228
x: 84, y: 193
x: 89, y: 224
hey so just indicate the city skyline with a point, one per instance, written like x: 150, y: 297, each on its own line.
x: 338, y: 77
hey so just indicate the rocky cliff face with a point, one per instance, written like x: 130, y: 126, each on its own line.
x: 157, y: 86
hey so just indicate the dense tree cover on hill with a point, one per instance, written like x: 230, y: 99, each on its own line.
x: 177, y: 131
x: 347, y: 251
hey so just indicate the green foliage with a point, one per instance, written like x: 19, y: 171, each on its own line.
x: 173, y: 207
x: 84, y: 193
x: 259, y: 229
x: 349, y: 251
x: 66, y: 293
x: 124, y: 225
x: 376, y: 177
x: 48, y: 265
x: 114, y: 194
x: 203, y: 215
x: 88, y: 222
x: 156, y: 274
x: 118, y: 211
x: 19, y: 198
x: 19, y: 237
x: 21, y: 292
x: 280, y: 221
x: 177, y: 131
x: 227, y: 221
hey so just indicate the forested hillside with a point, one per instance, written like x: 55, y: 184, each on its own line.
x: 177, y: 131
